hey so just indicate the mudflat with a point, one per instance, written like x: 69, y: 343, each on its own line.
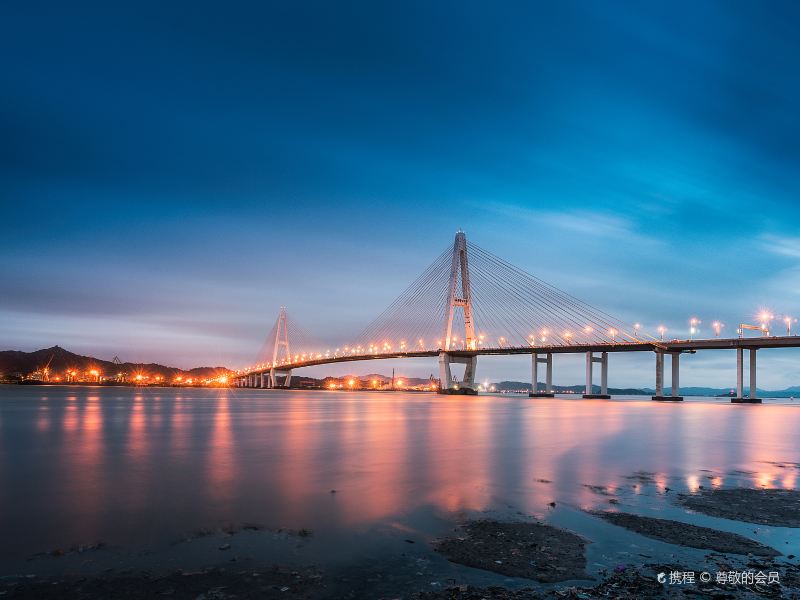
x: 518, y: 549
x: 778, y: 508
x: 684, y: 534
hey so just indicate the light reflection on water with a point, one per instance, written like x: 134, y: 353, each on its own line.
x: 138, y: 467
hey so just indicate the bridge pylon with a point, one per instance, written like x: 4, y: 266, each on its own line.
x: 459, y: 296
x: 281, y: 341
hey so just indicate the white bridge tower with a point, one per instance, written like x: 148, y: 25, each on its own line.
x: 459, y: 296
x: 281, y: 341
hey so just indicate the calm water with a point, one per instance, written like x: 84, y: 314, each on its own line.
x: 138, y: 469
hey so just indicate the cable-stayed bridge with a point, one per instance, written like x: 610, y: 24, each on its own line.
x: 468, y: 303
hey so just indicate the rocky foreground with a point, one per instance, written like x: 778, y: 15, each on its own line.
x: 735, y: 567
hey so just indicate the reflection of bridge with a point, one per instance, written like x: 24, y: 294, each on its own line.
x: 469, y: 303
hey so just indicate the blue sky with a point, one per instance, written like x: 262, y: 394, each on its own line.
x: 170, y: 175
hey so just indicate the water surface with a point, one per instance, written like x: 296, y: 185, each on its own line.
x: 139, y: 468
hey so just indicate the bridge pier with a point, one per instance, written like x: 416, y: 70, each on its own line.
x: 273, y: 377
x: 446, y: 383
x: 263, y: 380
x: 548, y: 385
x: 675, y: 393
x: 740, y: 397
x: 603, y: 360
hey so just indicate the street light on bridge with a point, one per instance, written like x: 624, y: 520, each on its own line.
x: 661, y: 331
x: 717, y: 327
x: 693, y: 323
x: 789, y: 320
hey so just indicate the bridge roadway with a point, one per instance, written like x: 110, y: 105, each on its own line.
x: 544, y: 355
x: 643, y: 346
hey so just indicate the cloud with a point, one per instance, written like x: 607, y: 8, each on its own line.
x: 782, y: 245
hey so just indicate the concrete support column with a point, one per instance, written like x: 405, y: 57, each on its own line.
x: 445, y: 376
x: 740, y: 373
x: 263, y: 382
x: 751, y: 397
x: 547, y: 360
x: 604, y: 374
x: 676, y: 374
x: 603, y: 360
x: 659, y: 375
x: 589, y: 363
x: 676, y: 385
x: 447, y: 385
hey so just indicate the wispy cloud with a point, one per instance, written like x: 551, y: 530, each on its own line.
x: 588, y: 222
x: 782, y: 245
x: 591, y: 223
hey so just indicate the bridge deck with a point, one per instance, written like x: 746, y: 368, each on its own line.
x: 644, y: 346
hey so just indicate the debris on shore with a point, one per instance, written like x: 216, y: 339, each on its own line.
x: 684, y: 534
x: 208, y: 584
x: 778, y: 508
x: 648, y: 582
x: 518, y: 549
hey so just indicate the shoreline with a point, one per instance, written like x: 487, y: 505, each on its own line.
x: 538, y: 560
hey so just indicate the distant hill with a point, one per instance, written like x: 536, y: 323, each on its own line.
x: 60, y: 360
x: 519, y: 386
x: 13, y: 362
x: 509, y: 386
